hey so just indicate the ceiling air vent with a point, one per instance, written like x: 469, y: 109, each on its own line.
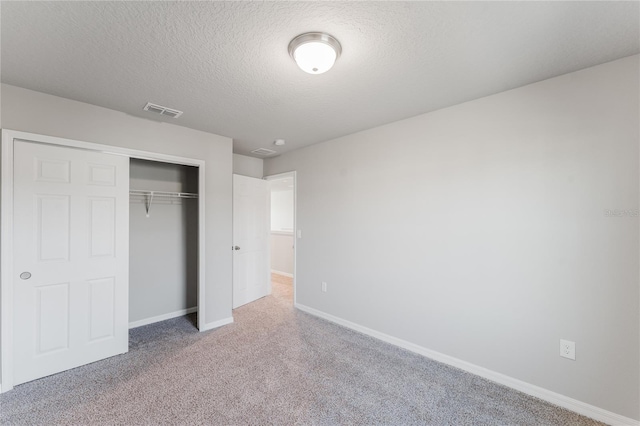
x: 263, y: 151
x: 159, y: 109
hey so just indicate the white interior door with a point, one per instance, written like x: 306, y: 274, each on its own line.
x: 251, y: 226
x: 71, y: 258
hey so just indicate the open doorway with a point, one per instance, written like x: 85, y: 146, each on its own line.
x: 283, y: 235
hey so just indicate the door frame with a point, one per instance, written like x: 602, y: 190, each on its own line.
x: 292, y: 174
x: 6, y: 228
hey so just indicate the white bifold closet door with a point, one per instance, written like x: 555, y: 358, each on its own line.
x: 71, y: 258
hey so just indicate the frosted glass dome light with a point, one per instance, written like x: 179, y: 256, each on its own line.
x: 315, y: 53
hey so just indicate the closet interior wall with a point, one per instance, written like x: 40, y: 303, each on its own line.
x: 163, y: 271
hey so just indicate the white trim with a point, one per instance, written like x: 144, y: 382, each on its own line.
x: 268, y: 242
x: 6, y: 229
x: 201, y: 249
x: 216, y: 324
x: 106, y: 149
x: 293, y: 174
x: 284, y: 274
x: 6, y: 264
x: 163, y: 317
x: 285, y: 233
x: 280, y: 175
x: 555, y: 398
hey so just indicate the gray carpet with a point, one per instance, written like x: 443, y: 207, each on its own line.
x: 273, y: 366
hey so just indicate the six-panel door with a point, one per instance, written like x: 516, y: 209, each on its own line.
x: 71, y: 260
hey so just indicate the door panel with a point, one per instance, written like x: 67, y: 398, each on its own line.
x: 52, y: 311
x: 101, y: 174
x: 251, y: 226
x: 48, y: 170
x: 53, y: 227
x: 71, y: 230
x: 102, y: 308
x: 102, y: 226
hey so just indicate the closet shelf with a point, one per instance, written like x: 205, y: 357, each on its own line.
x: 149, y: 195
x: 143, y: 192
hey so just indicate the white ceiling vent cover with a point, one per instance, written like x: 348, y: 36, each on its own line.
x: 263, y: 151
x: 159, y: 109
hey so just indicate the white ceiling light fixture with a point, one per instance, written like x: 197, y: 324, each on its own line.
x: 279, y: 142
x: 315, y: 53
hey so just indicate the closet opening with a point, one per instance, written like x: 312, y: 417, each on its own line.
x: 163, y: 242
x: 142, y: 227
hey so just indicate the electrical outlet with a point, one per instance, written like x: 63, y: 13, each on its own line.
x: 324, y: 287
x: 568, y: 349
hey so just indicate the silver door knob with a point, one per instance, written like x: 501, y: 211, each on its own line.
x: 236, y: 248
x: 25, y: 275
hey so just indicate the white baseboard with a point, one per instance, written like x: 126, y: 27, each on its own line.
x: 555, y: 398
x: 216, y: 324
x: 284, y: 274
x: 163, y: 317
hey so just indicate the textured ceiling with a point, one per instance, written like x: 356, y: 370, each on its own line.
x: 225, y: 64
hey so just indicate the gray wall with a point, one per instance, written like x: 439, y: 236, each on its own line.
x: 40, y: 113
x: 163, y: 260
x: 479, y: 231
x: 281, y: 209
x: 281, y: 229
x: 247, y: 166
x: 282, y: 252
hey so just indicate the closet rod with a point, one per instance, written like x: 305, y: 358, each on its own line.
x: 163, y: 193
x: 148, y: 196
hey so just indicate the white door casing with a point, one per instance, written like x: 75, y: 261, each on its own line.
x: 293, y: 176
x: 70, y: 258
x: 251, y: 227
